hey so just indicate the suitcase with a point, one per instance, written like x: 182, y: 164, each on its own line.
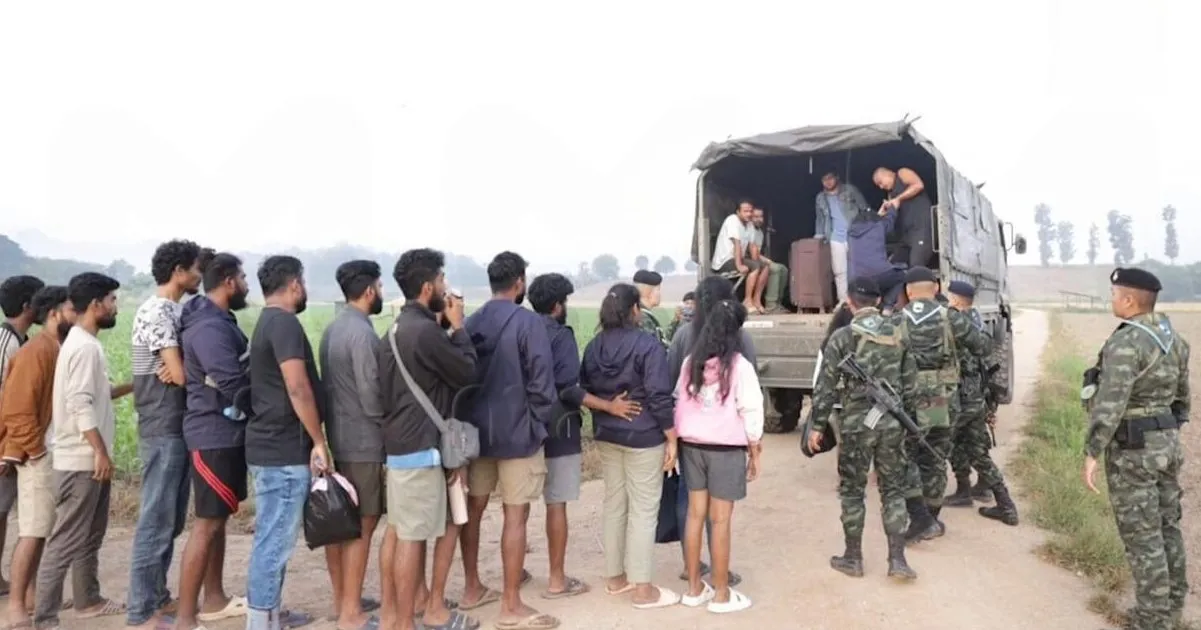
x: 811, y: 276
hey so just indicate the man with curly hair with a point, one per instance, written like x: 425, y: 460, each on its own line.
x: 160, y: 400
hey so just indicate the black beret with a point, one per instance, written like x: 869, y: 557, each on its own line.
x: 643, y: 276
x: 961, y: 288
x: 863, y: 286
x: 919, y: 274
x: 1135, y: 278
x: 691, y: 295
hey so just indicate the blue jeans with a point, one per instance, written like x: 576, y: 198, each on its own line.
x: 164, y: 509
x: 682, y: 515
x: 280, y: 492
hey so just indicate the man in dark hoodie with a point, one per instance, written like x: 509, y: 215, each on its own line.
x: 868, y: 256
x: 215, y: 365
x: 548, y: 296
x: 512, y: 410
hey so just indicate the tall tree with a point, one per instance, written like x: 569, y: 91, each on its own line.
x: 690, y: 266
x: 1065, y: 232
x: 606, y: 267
x: 642, y: 262
x: 1046, y: 233
x: 1094, y: 241
x: 1171, y: 245
x: 1121, y: 237
x: 665, y: 266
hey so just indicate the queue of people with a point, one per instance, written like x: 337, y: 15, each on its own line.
x: 218, y: 410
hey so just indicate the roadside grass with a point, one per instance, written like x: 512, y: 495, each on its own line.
x: 1050, y: 465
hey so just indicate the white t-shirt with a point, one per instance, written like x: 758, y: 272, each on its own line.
x: 731, y: 228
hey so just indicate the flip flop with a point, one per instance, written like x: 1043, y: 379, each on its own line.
x: 488, y: 597
x: 446, y: 601
x: 707, y: 572
x: 366, y: 604
x: 667, y: 597
x: 109, y: 609
x: 571, y: 588
x: 536, y: 621
x: 372, y: 623
x: 289, y: 619
x: 457, y: 621
x: 738, y: 602
x: 236, y: 607
x: 621, y: 591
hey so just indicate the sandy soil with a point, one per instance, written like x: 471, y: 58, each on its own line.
x: 982, y: 575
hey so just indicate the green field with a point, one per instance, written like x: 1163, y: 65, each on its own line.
x: 315, y: 318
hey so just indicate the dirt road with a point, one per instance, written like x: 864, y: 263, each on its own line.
x: 982, y: 575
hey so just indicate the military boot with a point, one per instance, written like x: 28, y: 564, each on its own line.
x: 934, y: 512
x: 963, y: 493
x: 851, y: 561
x: 898, y: 568
x: 922, y: 525
x: 1004, y: 511
x: 981, y: 492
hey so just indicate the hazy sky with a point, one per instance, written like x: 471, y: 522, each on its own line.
x: 562, y: 132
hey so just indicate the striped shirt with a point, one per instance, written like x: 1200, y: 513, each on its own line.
x: 10, y: 342
x: 160, y: 406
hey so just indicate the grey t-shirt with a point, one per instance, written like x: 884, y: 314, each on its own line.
x: 350, y: 376
x: 681, y: 345
x: 160, y: 406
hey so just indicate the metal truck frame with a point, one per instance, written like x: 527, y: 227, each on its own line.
x: 781, y: 172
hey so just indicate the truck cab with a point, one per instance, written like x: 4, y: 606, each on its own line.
x: 782, y: 173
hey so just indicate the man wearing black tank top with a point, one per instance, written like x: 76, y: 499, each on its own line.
x: 906, y: 195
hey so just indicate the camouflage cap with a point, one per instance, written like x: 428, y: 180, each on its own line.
x: 920, y: 274
x: 962, y: 289
x: 649, y: 278
x: 1135, y: 278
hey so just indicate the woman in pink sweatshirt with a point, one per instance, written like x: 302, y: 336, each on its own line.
x: 719, y: 423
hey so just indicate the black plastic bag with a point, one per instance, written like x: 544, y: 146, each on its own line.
x: 331, y: 512
x: 669, y: 528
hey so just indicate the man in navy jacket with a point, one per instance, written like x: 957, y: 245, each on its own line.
x: 512, y: 410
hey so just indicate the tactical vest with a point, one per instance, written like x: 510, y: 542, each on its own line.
x: 937, y: 379
x: 1165, y: 347
x: 865, y: 335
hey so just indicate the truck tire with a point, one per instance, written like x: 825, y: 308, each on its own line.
x: 784, y: 413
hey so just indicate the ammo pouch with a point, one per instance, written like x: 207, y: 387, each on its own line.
x: 935, y: 388
x: 1132, y: 433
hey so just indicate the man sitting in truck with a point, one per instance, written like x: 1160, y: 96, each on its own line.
x: 868, y: 256
x: 771, y: 290
x: 731, y: 253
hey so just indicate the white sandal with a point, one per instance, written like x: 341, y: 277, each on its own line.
x: 667, y: 597
x: 738, y: 602
x: 705, y: 597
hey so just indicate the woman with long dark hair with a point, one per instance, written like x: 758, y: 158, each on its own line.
x: 634, y: 452
x: 719, y: 421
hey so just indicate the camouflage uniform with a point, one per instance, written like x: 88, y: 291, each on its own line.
x: 651, y: 324
x: 1144, y: 378
x: 937, y: 337
x: 876, y: 344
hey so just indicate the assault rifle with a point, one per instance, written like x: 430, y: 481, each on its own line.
x: 993, y: 392
x: 885, y: 399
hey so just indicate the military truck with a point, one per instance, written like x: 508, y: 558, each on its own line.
x: 781, y: 172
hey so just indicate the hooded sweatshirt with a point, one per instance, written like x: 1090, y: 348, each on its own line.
x: 513, y: 406
x: 868, y: 246
x: 709, y: 421
x: 566, y: 422
x: 629, y: 360
x: 216, y: 358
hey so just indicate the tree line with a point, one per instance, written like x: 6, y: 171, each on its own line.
x: 1059, y: 239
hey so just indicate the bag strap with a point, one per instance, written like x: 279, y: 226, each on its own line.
x: 422, y: 399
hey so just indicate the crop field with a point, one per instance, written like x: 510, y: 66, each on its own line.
x: 315, y: 318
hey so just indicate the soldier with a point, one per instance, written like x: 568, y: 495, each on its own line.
x: 876, y: 343
x: 936, y: 336
x: 648, y: 291
x: 1141, y: 398
x: 970, y: 437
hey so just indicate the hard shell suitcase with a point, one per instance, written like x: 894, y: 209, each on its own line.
x: 811, y: 277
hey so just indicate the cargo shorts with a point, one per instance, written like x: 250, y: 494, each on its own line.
x: 520, y: 481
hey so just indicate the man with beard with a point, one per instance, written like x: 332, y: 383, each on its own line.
x: 563, y: 448
x: 512, y: 410
x: 284, y: 442
x: 422, y: 366
x: 350, y: 375
x: 217, y: 381
x: 160, y: 405
x: 771, y: 292
x: 84, y: 425
x: 25, y: 412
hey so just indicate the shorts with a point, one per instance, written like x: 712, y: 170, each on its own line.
x: 36, y: 494
x: 751, y: 265
x: 520, y: 480
x: 8, y: 492
x: 369, y: 482
x: 219, y: 481
x: 719, y: 471
x: 417, y: 507
x: 563, y: 475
